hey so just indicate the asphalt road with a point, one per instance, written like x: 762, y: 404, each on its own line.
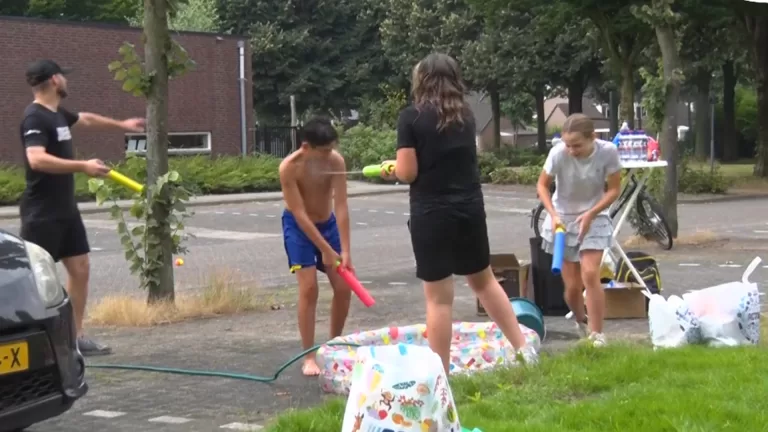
x: 246, y: 240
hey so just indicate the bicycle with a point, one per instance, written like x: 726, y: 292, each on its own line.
x: 650, y: 222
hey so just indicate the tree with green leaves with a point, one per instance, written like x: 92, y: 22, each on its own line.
x: 754, y: 19
x: 113, y: 11
x: 665, y: 21
x: 325, y: 54
x: 194, y: 15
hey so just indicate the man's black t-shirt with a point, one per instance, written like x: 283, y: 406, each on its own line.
x: 48, y: 196
x: 448, y: 175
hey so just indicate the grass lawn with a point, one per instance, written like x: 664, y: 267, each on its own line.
x: 622, y: 387
x: 738, y: 173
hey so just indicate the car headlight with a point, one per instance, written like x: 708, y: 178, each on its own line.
x: 46, y: 276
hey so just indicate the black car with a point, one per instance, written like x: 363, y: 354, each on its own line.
x: 42, y: 373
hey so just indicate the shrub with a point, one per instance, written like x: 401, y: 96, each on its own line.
x: 201, y: 174
x: 527, y: 175
x: 692, y: 179
x: 489, y: 162
x: 363, y: 145
x: 517, y: 157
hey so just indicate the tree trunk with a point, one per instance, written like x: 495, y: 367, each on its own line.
x: 541, y: 121
x: 613, y: 121
x: 668, y: 137
x: 759, y: 33
x: 730, y: 139
x: 575, y: 95
x: 628, y: 94
x: 496, y: 112
x: 702, y: 123
x: 156, y: 45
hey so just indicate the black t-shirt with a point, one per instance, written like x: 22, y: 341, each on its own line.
x: 448, y: 175
x: 48, y: 196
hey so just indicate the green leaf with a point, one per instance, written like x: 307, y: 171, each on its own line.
x: 138, y: 209
x: 94, y: 185
x: 115, y: 65
x: 102, y: 195
x: 121, y: 75
x: 135, y: 71
x: 131, y: 84
x: 115, y: 212
x: 174, y: 177
x: 138, y: 231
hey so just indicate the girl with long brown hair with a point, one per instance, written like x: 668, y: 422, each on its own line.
x: 437, y: 156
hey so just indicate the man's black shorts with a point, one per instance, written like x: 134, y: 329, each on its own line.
x: 62, y: 238
x: 446, y: 244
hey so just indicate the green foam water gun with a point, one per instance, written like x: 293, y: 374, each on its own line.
x: 372, y: 171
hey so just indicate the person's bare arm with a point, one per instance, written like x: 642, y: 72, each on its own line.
x: 295, y: 204
x: 91, y: 120
x: 341, y: 207
x: 406, y: 165
x: 542, y: 188
x: 40, y: 160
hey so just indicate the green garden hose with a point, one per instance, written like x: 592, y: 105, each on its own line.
x: 193, y: 372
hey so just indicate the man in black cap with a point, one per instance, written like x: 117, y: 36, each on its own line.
x: 49, y: 214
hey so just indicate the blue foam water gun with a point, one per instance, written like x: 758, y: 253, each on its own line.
x: 473, y: 430
x: 559, y: 250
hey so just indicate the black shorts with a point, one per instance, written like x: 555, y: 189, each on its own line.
x: 62, y: 238
x: 446, y: 244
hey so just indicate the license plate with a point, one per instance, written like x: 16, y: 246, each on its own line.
x: 14, y: 358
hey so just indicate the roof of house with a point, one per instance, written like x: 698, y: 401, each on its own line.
x: 480, y: 103
x: 587, y: 105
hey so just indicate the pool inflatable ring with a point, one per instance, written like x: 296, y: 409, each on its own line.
x: 475, y: 346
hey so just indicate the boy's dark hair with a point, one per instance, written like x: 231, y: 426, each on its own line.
x: 319, y: 132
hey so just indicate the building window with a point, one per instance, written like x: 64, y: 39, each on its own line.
x: 178, y: 143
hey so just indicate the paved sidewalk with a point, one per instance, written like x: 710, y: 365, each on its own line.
x: 355, y: 188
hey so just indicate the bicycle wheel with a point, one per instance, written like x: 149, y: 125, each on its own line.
x: 656, y: 227
x: 537, y: 219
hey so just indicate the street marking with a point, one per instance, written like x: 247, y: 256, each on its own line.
x: 97, y: 249
x: 170, y: 420
x: 253, y: 214
x: 219, y: 212
x: 242, y: 427
x: 730, y: 265
x: 366, y: 282
x: 197, y: 232
x: 389, y: 212
x: 406, y: 214
x: 761, y: 232
x: 362, y: 223
x: 373, y: 211
x: 104, y: 414
x: 236, y: 213
x: 398, y: 283
x: 271, y: 216
x: 689, y: 265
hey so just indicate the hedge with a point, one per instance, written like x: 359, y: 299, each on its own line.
x: 201, y: 175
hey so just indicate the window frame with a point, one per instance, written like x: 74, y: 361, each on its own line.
x: 174, y: 151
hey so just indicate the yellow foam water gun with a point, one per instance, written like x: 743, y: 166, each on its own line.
x: 373, y: 171
x: 125, y: 181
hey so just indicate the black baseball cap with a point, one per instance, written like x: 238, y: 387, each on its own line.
x: 42, y: 70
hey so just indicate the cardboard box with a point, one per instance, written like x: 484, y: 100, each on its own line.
x: 625, y: 300
x: 513, y: 276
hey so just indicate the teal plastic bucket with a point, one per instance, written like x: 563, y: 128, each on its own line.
x: 529, y: 315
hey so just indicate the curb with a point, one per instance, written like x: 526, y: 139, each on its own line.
x: 725, y: 198
x: 13, y: 213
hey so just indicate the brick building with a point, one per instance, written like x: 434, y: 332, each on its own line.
x: 204, y: 107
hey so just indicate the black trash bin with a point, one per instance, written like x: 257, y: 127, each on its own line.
x: 548, y: 289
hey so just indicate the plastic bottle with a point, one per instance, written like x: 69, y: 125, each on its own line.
x: 642, y: 154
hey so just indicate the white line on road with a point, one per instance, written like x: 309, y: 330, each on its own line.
x: 271, y: 216
x: 170, y: 420
x: 389, y: 212
x: 730, y: 265
x: 689, y: 265
x: 373, y: 211
x: 242, y: 427
x: 760, y: 232
x: 362, y: 223
x: 104, y: 414
x: 236, y: 213
x: 219, y: 212
x: 366, y: 282
x: 96, y: 249
x: 406, y: 214
x: 398, y: 283
x: 253, y: 214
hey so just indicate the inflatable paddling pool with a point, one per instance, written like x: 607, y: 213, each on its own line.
x: 475, y: 346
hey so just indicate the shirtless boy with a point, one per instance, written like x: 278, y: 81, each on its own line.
x: 316, y: 238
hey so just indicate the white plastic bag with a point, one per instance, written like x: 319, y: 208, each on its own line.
x: 728, y: 314
x: 666, y: 331
x: 400, y: 388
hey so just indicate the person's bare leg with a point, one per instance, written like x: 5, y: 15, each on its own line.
x: 439, y: 296
x: 497, y: 304
x: 590, y: 276
x: 78, y: 273
x: 573, y: 289
x: 308, y: 293
x: 342, y: 297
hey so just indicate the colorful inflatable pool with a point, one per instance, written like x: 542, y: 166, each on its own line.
x: 476, y: 346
